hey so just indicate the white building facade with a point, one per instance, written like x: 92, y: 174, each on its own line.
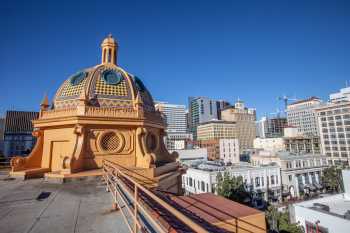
x: 293, y: 142
x: 229, y: 150
x: 189, y: 155
x: 259, y: 179
x: 269, y: 144
x: 176, y: 125
x: 299, y: 173
x: 342, y: 95
x: 327, y: 214
x: 301, y: 114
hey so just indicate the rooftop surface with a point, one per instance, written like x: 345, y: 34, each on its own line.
x: 338, y: 204
x: 210, y: 166
x: 214, y: 208
x: 35, y: 206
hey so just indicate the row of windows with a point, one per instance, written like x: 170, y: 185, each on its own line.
x: 200, y: 185
x: 258, y: 182
x: 306, y: 163
x: 336, y: 111
x: 333, y: 130
x: 339, y: 117
x: 335, y: 148
x: 341, y: 142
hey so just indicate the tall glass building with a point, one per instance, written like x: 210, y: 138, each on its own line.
x: 203, y: 109
x: 175, y: 117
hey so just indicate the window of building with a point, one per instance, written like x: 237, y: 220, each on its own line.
x: 257, y: 181
x: 272, y: 180
x: 304, y: 163
x: 203, y: 186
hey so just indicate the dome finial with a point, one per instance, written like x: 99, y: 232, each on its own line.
x: 109, y: 50
x: 45, y: 101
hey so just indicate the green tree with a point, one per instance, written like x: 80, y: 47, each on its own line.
x: 332, y: 179
x: 232, y: 188
x: 279, y: 221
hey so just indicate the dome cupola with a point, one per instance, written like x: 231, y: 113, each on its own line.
x: 105, y: 85
x: 109, y: 50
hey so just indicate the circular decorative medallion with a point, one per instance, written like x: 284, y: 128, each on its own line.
x: 112, y: 77
x: 111, y: 142
x: 78, y: 78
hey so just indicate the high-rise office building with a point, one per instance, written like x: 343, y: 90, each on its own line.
x: 334, y: 124
x: 244, y: 119
x: 220, y: 105
x: 301, y: 114
x: 216, y: 129
x: 176, y: 125
x: 203, y: 109
x: 270, y: 127
x: 18, y: 139
x: 342, y: 95
x: 261, y: 127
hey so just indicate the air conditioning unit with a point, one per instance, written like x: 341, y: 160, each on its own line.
x: 347, y: 215
x: 320, y: 206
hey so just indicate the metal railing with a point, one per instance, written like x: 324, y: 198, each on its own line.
x: 135, y: 202
x: 5, y: 164
x: 146, y: 211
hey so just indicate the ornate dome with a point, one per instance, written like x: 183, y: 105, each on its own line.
x: 105, y: 85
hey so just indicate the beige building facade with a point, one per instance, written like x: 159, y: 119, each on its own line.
x: 301, y: 114
x: 293, y: 142
x: 244, y: 119
x: 216, y: 130
x: 334, y: 123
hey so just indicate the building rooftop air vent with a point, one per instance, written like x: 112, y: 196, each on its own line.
x: 320, y: 206
x: 347, y: 215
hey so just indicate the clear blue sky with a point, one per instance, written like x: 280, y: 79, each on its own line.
x: 254, y: 50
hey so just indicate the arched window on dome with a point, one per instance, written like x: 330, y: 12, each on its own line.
x: 109, y: 56
x: 104, y: 55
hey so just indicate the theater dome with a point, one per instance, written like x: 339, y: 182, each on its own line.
x: 100, y: 114
x: 104, y: 85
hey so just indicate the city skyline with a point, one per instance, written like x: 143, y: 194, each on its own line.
x: 259, y: 51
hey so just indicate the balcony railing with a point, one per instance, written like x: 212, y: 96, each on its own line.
x: 143, y: 211
x: 146, y: 210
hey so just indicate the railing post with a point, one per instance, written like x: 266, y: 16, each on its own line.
x: 115, y: 200
x: 236, y: 226
x: 135, y: 207
x: 105, y: 175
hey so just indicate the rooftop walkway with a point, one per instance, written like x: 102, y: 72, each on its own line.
x: 36, y: 206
